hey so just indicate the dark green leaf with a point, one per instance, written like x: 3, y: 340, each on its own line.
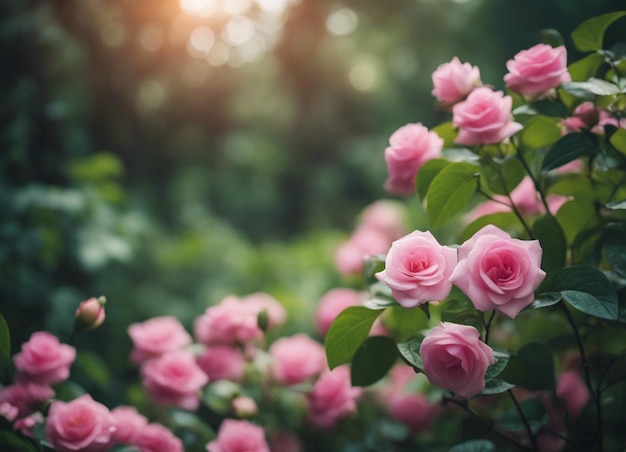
x: 93, y: 366
x: 615, y: 252
x: 404, y: 323
x: 546, y: 299
x: 5, y: 352
x: 547, y: 230
x: 541, y: 131
x: 586, y: 289
x: 474, y: 445
x: 589, y: 36
x: 586, y: 67
x: 532, y: 368
x: 461, y: 310
x: 13, y: 442
x: 502, y: 359
x: 347, y: 333
x: 496, y: 386
x: 373, y: 359
x: 511, y: 172
x: 371, y: 266
x: 504, y: 220
x: 410, y: 351
x: 190, y: 423
x: 570, y: 147
x: 427, y: 173
x: 450, y: 191
x: 533, y: 410
x: 551, y: 37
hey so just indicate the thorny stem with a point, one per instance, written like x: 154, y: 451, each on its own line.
x: 529, y: 432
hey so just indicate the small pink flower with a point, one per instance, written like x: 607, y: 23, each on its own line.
x: 8, y: 411
x: 414, y: 410
x: 409, y: 148
x: 82, y: 424
x: 572, y: 389
x: 417, y: 268
x: 332, y: 398
x: 157, y: 336
x: 26, y: 397
x: 223, y: 362
x: 44, y: 360
x: 454, y: 80
x: 230, y: 322
x: 454, y: 358
x: 537, y: 70
x: 484, y: 118
x: 239, y: 436
x: 588, y: 116
x: 89, y: 314
x: 331, y: 304
x: 127, y: 422
x: 498, y: 272
x: 156, y: 438
x: 276, y: 312
x: 364, y: 242
x: 386, y: 216
x: 297, y: 358
x: 174, y: 379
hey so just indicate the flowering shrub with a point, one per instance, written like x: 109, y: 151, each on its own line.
x: 500, y: 328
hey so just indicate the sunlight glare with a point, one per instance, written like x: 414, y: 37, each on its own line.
x: 342, y: 22
x: 202, y: 8
x: 238, y: 30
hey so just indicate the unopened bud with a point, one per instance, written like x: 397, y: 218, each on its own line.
x: 89, y: 315
x: 244, y: 407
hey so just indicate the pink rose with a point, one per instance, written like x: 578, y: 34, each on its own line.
x: 26, y: 397
x: 174, y: 379
x: 82, y: 424
x: 156, y: 438
x: 413, y: 410
x: 454, y: 358
x: 230, y: 322
x: 498, y: 272
x: 572, y: 389
x: 386, y: 216
x: 331, y: 304
x: 297, y: 358
x: 276, y: 312
x: 364, y: 242
x: 223, y: 362
x: 537, y: 70
x: 89, y: 314
x: 44, y: 360
x: 332, y: 398
x: 417, y: 269
x: 284, y: 441
x: 239, y: 436
x: 27, y: 425
x: 409, y: 148
x: 8, y: 411
x: 453, y: 81
x: 588, y: 116
x: 157, y: 336
x: 127, y: 422
x: 484, y: 118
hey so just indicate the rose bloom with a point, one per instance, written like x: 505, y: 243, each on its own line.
x: 417, y: 269
x: 413, y: 410
x: 386, y: 216
x: 484, y: 118
x: 588, y: 116
x: 223, y: 362
x: 80, y: 425
x: 364, y: 242
x: 332, y: 304
x: 157, y: 336
x: 127, y: 422
x: 454, y: 358
x: 409, y: 148
x: 537, y: 70
x: 572, y: 389
x: 230, y: 322
x: 174, y: 379
x: 239, y: 436
x: 332, y: 398
x: 297, y: 358
x: 27, y: 397
x: 156, y: 438
x: 454, y: 80
x: 44, y: 360
x: 498, y: 272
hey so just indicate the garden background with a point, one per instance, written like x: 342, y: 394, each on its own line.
x: 166, y: 154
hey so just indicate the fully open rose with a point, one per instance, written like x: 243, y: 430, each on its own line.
x: 235, y: 435
x: 417, y: 269
x: 454, y: 80
x: 44, y: 360
x: 498, y: 272
x: 455, y: 358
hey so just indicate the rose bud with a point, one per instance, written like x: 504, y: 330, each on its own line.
x: 89, y: 314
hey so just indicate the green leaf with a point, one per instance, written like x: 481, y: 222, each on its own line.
x: 427, y: 173
x: 474, y: 445
x: 5, y: 352
x: 591, y: 88
x: 502, y: 359
x: 446, y: 131
x: 347, y: 333
x: 617, y: 205
x: 541, y: 131
x: 586, y: 289
x: 534, y: 412
x: 567, y: 148
x: 551, y: 37
x: 504, y: 220
x: 93, y: 366
x: 13, y: 442
x: 410, y: 352
x: 618, y: 140
x: 589, y: 36
x: 586, y: 67
x: 615, y: 252
x: 404, y: 323
x: 496, y: 386
x: 546, y: 299
x: 461, y: 310
x: 511, y: 171
x: 371, y: 266
x: 191, y: 424
x: 450, y: 191
x: 532, y: 368
x: 380, y: 303
x: 548, y: 231
x: 372, y: 360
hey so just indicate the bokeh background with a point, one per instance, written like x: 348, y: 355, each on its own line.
x: 167, y: 153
